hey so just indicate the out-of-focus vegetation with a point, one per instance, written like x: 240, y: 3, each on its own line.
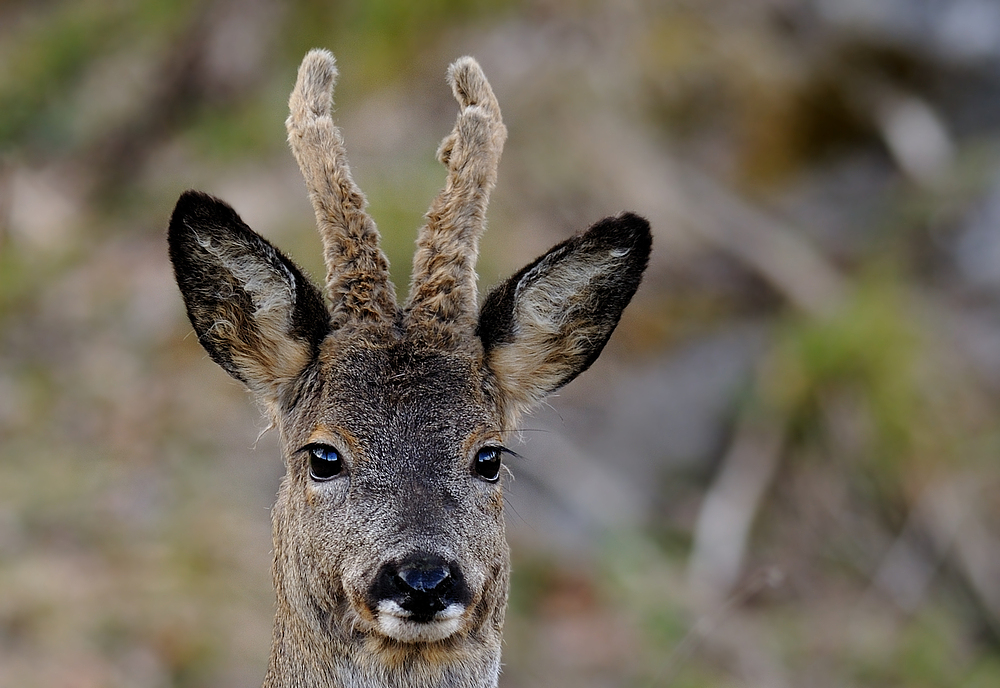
x: 784, y: 471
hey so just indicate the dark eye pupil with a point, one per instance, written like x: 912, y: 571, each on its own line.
x: 324, y: 462
x: 488, y: 463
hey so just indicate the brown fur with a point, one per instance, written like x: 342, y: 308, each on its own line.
x: 443, y: 289
x: 407, y: 400
x: 357, y: 279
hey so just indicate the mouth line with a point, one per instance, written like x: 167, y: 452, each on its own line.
x: 397, y: 623
x: 393, y: 609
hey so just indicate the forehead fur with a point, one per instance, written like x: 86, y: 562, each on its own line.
x: 372, y: 388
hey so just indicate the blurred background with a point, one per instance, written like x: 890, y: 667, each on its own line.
x: 784, y: 470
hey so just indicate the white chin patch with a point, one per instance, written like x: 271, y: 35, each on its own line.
x: 394, y: 621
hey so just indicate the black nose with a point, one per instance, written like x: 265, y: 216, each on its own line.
x: 422, y: 584
x: 425, y: 575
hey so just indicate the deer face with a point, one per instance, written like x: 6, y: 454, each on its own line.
x: 388, y: 527
x: 392, y: 505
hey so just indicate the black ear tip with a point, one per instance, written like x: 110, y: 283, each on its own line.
x: 637, y: 227
x: 190, y: 201
x: 200, y: 208
x: 625, y: 230
x: 637, y: 223
x: 193, y: 195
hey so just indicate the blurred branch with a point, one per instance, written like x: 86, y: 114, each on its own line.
x: 906, y: 571
x: 781, y: 254
x: 599, y: 497
x: 707, y: 627
x: 916, y: 137
x: 731, y: 504
x: 952, y: 515
x: 218, y: 58
x: 949, y: 513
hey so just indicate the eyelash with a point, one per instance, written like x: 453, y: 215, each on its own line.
x: 487, y: 463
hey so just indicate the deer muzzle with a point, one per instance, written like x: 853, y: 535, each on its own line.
x: 420, y: 598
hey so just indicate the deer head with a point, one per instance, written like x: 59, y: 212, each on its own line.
x: 390, y: 563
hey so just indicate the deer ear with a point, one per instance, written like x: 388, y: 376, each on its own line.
x: 253, y: 310
x: 547, y: 324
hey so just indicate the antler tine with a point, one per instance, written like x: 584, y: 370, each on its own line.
x: 443, y: 287
x: 357, y: 279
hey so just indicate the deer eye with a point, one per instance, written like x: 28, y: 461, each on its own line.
x: 324, y: 462
x: 487, y: 463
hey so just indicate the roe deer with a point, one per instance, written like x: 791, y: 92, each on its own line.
x: 390, y: 562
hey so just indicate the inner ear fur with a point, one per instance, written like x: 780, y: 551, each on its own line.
x: 549, y: 322
x: 253, y: 309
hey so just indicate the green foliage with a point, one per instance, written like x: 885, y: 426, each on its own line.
x: 868, y: 349
x: 380, y: 38
x: 232, y: 133
x: 928, y: 653
x: 397, y: 203
x: 45, y: 59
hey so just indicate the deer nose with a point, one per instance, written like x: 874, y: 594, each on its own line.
x: 425, y: 574
x: 419, y: 586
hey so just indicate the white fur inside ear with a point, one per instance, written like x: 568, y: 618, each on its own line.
x: 270, y: 285
x: 275, y: 357
x: 556, y: 325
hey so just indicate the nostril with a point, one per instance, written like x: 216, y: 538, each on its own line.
x: 418, y: 587
x: 423, y: 577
